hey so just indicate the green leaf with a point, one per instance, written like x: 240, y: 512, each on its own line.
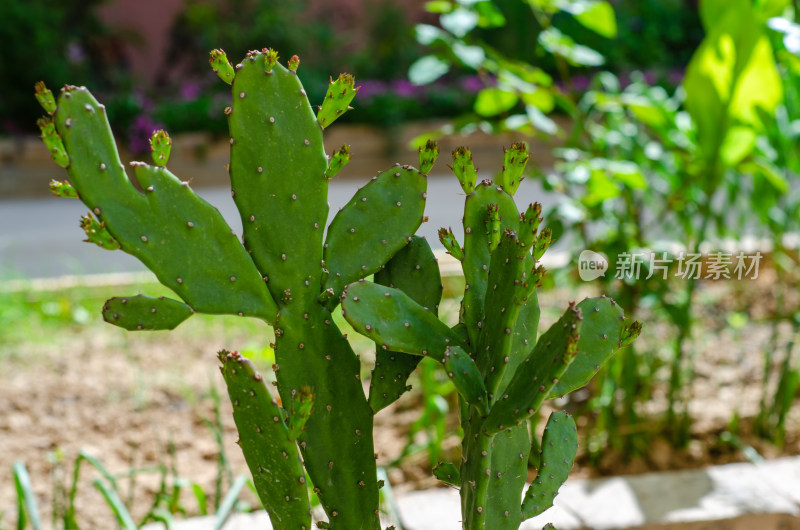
x: 493, y: 101
x: 438, y: 6
x: 229, y: 502
x: 489, y: 16
x: 730, y: 80
x: 600, y: 188
x: 26, y: 499
x: 541, y: 98
x: 427, y: 70
x: 460, y: 21
x: 472, y: 56
x: 427, y: 34
x: 576, y: 54
x: 597, y: 16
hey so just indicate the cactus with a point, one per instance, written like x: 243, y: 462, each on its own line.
x: 291, y: 273
x: 282, y: 271
x: 502, y: 373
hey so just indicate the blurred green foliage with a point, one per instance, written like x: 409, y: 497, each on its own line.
x: 54, y: 41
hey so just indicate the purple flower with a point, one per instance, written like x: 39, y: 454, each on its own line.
x: 472, y: 84
x: 405, y: 88
x: 75, y: 53
x: 675, y: 76
x: 580, y: 83
x: 190, y: 90
x: 370, y: 88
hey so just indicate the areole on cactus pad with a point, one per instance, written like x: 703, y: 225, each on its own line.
x: 291, y: 272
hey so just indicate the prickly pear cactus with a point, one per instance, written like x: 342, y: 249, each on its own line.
x: 287, y: 270
x: 502, y: 372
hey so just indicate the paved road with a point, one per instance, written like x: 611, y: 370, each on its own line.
x: 41, y: 237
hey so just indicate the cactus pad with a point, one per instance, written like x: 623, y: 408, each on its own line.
x: 395, y: 321
x: 559, y: 446
x: 141, y: 312
x: 602, y: 332
x: 537, y: 374
x: 377, y: 222
x: 270, y: 454
x: 413, y: 270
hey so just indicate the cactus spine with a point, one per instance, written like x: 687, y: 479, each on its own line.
x: 502, y: 373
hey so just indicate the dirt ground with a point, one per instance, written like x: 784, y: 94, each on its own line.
x: 125, y: 397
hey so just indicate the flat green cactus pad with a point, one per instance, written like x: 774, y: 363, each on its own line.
x: 141, y: 312
x: 559, y: 446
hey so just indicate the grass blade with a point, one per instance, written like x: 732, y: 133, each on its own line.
x: 26, y: 500
x: 202, y: 499
x: 116, y: 504
x: 229, y: 502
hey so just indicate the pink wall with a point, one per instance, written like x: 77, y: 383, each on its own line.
x: 150, y: 22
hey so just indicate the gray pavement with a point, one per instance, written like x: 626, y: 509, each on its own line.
x: 41, y: 238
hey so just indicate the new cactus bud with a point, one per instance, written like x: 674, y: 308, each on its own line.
x: 61, y: 188
x: 45, y: 97
x: 428, y: 156
x: 451, y: 243
x: 97, y: 233
x: 271, y: 59
x: 219, y: 63
x: 529, y: 222
x: 514, y: 161
x: 542, y: 243
x: 160, y: 145
x: 53, y: 141
x: 630, y: 333
x: 337, y: 100
x: 294, y: 62
x: 338, y: 160
x: 464, y: 169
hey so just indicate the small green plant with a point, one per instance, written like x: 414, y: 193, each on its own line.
x: 290, y: 274
x: 501, y: 372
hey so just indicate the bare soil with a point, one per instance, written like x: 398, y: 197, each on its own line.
x: 126, y: 397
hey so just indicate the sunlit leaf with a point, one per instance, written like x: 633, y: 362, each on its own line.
x: 557, y: 43
x: 438, y: 6
x: 427, y: 70
x: 599, y: 188
x: 489, y: 16
x: 460, y: 21
x: 540, y: 98
x: 540, y: 121
x: 427, y: 34
x: 596, y: 15
x: 472, y: 56
x: 493, y: 101
x: 738, y: 143
x: 731, y: 80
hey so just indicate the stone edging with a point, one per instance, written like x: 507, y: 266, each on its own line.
x: 762, y: 496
